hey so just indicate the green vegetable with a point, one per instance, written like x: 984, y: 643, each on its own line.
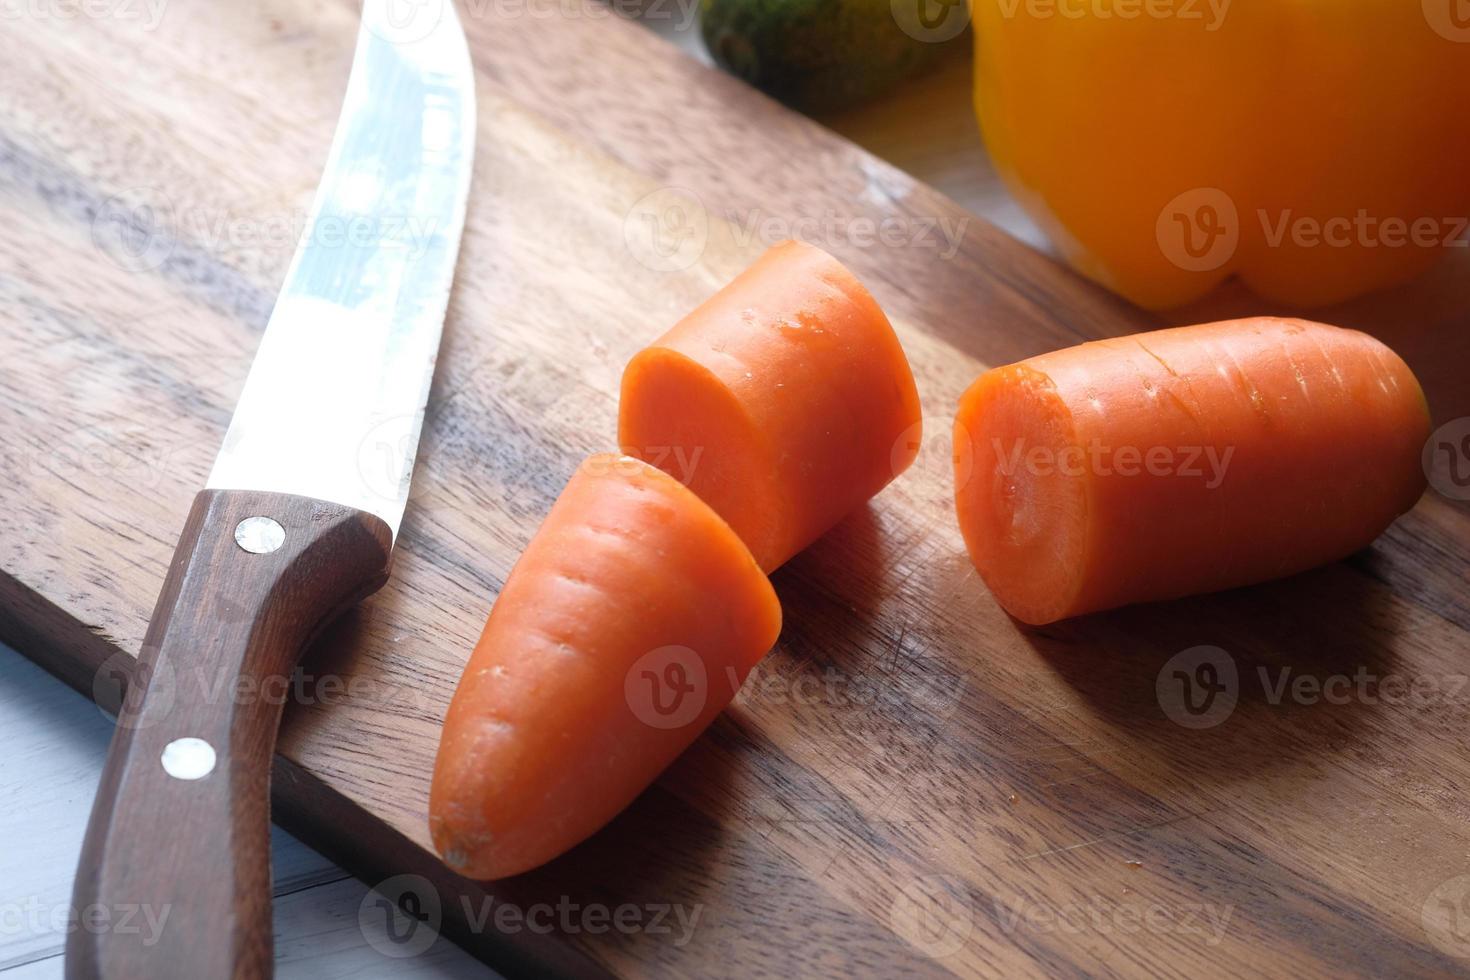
x: 823, y: 55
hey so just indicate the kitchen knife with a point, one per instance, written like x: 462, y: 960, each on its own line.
x: 296, y: 522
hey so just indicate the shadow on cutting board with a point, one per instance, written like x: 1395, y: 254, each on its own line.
x: 1258, y: 677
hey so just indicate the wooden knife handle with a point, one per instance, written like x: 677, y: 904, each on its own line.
x: 179, y: 840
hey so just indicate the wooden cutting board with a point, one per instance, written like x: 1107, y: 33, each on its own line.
x: 911, y: 782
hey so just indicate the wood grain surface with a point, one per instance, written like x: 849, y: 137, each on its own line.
x: 910, y: 783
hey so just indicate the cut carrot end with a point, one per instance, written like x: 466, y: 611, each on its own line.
x: 792, y: 387
x: 678, y: 416
x: 1021, y: 503
x: 1183, y: 461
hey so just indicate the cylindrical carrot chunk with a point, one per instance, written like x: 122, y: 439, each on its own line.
x: 1183, y: 461
x: 627, y: 625
x: 784, y: 401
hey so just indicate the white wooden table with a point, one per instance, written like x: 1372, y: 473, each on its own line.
x: 54, y: 742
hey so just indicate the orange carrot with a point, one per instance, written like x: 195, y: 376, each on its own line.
x: 1183, y: 461
x: 785, y: 401
x: 625, y: 628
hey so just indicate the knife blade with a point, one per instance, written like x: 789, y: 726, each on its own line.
x: 349, y: 350
x: 297, y: 520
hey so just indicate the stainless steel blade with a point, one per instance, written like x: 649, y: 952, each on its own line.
x: 335, y: 398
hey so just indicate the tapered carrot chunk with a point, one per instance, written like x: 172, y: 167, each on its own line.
x: 1183, y: 461
x: 785, y: 401
x: 627, y: 625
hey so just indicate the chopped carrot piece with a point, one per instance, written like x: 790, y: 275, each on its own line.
x: 1183, y: 461
x: 627, y: 625
x: 785, y: 401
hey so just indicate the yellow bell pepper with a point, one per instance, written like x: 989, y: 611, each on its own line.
x: 1317, y: 149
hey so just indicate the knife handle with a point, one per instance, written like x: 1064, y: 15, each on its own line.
x: 175, y: 874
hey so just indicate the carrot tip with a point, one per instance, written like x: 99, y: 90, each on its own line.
x: 543, y: 742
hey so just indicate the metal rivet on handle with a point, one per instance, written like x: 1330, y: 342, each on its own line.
x: 188, y: 758
x: 259, y: 535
